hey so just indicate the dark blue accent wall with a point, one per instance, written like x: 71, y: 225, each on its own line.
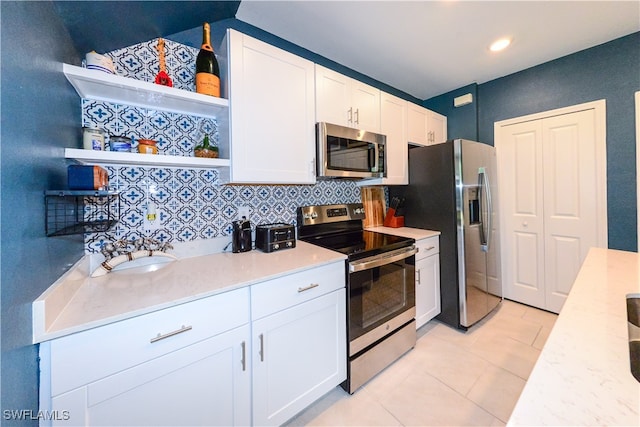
x: 610, y: 71
x: 104, y: 26
x: 462, y: 122
x: 40, y: 116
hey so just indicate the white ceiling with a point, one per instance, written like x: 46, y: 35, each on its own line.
x: 427, y: 48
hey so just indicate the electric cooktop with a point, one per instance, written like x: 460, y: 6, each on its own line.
x: 339, y: 228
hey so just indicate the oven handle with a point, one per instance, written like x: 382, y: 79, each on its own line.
x: 379, y: 260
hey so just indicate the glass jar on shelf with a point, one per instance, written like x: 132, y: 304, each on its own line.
x: 147, y: 146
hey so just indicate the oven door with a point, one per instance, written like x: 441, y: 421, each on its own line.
x: 381, y: 296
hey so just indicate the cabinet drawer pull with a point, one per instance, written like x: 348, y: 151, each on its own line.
x: 431, y: 248
x: 243, y: 346
x: 306, y: 288
x: 261, y: 336
x: 170, y: 334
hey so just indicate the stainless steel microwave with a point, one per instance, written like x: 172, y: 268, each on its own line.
x: 350, y: 153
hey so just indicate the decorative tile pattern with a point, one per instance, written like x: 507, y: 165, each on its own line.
x: 191, y: 203
x: 176, y: 134
x: 140, y: 62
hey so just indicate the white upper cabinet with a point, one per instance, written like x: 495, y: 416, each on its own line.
x: 425, y: 127
x: 393, y: 123
x: 437, y: 125
x: 272, y: 113
x: 347, y: 102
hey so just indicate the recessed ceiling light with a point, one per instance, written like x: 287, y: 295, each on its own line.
x: 499, y: 45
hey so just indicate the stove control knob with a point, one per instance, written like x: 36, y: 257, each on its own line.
x: 289, y: 244
x: 276, y: 246
x: 312, y: 215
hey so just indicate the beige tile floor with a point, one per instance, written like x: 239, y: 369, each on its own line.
x: 451, y: 378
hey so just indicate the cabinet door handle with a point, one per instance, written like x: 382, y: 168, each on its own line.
x: 350, y: 111
x: 261, y: 336
x: 243, y: 347
x: 306, y: 288
x: 170, y: 334
x: 357, y: 114
x: 418, y: 274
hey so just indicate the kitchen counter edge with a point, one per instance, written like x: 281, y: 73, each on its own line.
x: 582, y: 376
x: 77, y: 302
x: 413, y: 233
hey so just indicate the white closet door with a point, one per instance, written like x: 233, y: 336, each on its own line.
x: 569, y: 157
x: 553, y: 201
x: 520, y: 172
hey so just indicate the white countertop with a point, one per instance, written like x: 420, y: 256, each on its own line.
x: 414, y: 233
x: 77, y: 302
x: 582, y: 376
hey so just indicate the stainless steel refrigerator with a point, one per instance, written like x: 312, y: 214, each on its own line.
x: 452, y: 189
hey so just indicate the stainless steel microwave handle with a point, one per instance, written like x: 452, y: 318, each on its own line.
x: 380, y: 260
x: 375, y: 162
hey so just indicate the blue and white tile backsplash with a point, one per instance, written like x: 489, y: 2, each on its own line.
x: 191, y: 203
x: 176, y: 134
x: 140, y: 62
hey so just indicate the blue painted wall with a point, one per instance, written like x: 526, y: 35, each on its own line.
x: 40, y: 116
x: 462, y: 122
x: 609, y: 71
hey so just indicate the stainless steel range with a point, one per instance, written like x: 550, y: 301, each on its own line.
x: 380, y: 271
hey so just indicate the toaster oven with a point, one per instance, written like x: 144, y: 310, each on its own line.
x: 274, y: 237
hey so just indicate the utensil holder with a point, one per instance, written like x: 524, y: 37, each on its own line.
x: 393, y: 221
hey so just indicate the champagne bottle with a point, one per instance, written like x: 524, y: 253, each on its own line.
x: 207, y: 69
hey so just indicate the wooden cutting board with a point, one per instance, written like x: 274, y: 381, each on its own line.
x: 374, y: 205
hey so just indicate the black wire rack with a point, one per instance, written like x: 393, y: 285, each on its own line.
x: 78, y: 212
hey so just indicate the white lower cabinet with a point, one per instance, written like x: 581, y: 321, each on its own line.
x: 427, y: 280
x: 139, y: 372
x: 204, y: 384
x: 256, y: 355
x: 299, y: 341
x: 299, y: 355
